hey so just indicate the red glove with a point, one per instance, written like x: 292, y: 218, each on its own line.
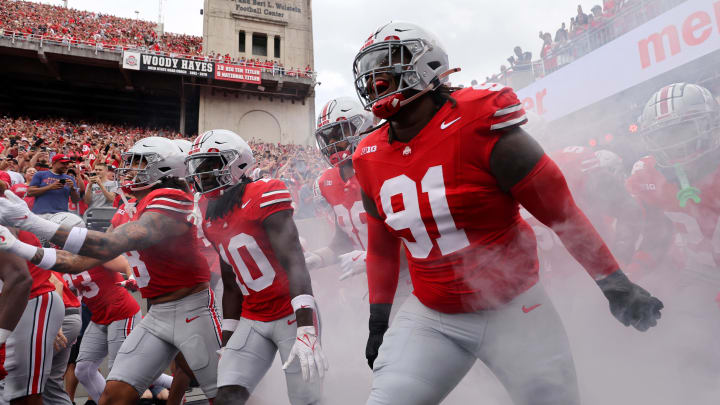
x: 130, y: 284
x: 3, y: 373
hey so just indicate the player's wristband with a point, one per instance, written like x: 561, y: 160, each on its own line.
x: 49, y: 259
x: 4, y: 333
x: 75, y: 240
x: 230, y: 324
x: 303, y: 301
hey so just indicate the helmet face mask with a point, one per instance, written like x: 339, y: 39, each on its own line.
x: 218, y: 160
x: 139, y: 168
x: 404, y: 52
x: 680, y: 124
x: 394, y: 58
x: 681, y: 142
x: 340, y: 124
x: 337, y: 141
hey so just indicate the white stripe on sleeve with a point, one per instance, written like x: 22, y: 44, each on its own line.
x: 508, y: 123
x: 279, y: 200
x: 508, y: 110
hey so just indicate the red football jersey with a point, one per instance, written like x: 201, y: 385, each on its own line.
x: 107, y: 301
x: 466, y: 244
x: 41, y: 277
x: 697, y: 225
x: 69, y: 298
x: 242, y: 242
x: 176, y: 262
x: 344, y: 197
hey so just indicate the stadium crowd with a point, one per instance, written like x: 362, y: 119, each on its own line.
x: 102, y: 31
x: 29, y: 146
x: 587, y: 31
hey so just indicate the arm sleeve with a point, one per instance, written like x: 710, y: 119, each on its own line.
x: 545, y: 194
x: 507, y: 110
x: 382, y: 261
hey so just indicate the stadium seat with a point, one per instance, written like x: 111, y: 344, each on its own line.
x: 98, y: 219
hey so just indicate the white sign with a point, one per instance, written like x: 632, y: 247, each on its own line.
x: 685, y: 33
x: 131, y: 60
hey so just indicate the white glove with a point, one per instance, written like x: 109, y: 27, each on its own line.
x: 7, y: 239
x: 14, y: 212
x: 313, y: 261
x: 352, y: 263
x: 9, y: 243
x: 309, y: 353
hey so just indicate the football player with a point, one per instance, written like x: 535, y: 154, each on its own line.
x: 445, y: 175
x: 268, y: 304
x: 678, y: 185
x: 183, y: 317
x: 339, y: 129
x: 28, y: 323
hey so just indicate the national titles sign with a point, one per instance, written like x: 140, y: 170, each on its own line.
x: 167, y: 64
x: 277, y: 11
x: 235, y: 73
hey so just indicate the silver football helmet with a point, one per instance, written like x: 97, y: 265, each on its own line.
x: 150, y: 161
x: 413, y: 55
x: 680, y: 123
x: 218, y: 159
x: 339, y: 125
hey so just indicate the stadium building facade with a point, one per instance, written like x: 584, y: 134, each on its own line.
x: 279, y: 108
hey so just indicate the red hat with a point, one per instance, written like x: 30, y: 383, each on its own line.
x: 4, y: 176
x: 61, y: 158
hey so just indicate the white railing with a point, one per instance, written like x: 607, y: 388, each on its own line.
x: 96, y: 47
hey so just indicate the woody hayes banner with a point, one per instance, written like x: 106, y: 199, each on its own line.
x: 167, y: 64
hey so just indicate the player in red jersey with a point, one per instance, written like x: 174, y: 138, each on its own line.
x: 339, y: 128
x: 28, y: 323
x: 679, y: 188
x: 161, y: 246
x: 446, y: 175
x: 267, y: 303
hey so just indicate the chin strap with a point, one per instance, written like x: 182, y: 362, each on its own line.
x: 687, y: 192
x: 389, y: 106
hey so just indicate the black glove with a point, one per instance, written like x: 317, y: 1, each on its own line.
x: 630, y: 303
x: 378, y: 324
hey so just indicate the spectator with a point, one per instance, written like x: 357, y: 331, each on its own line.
x: 521, y: 60
x: 53, y: 188
x: 561, y: 35
x: 581, y: 18
x: 101, y: 187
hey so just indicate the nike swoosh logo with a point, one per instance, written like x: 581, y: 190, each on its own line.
x: 357, y: 257
x: 304, y: 306
x: 248, y: 202
x: 443, y: 125
x: 220, y: 143
x: 291, y: 321
x: 526, y: 310
x: 188, y: 320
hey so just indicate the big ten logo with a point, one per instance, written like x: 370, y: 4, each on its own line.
x: 535, y: 104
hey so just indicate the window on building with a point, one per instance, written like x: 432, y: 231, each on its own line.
x: 241, y: 41
x: 259, y: 44
x: 277, y: 46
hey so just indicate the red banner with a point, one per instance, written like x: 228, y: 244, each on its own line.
x: 235, y: 73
